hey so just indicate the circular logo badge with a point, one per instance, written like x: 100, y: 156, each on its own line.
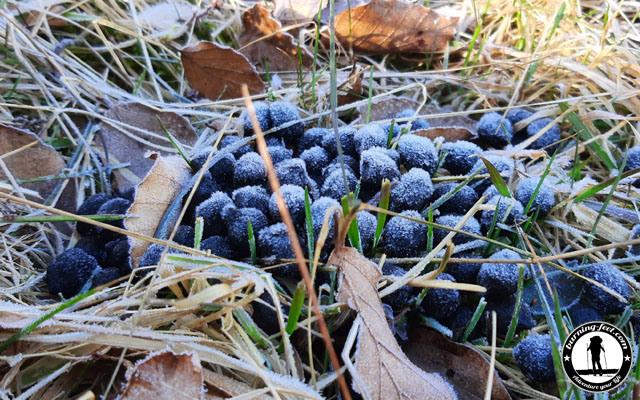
x: 597, y: 357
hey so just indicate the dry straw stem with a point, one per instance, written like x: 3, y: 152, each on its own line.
x: 293, y: 238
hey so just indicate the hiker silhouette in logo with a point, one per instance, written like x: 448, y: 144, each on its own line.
x: 595, y: 345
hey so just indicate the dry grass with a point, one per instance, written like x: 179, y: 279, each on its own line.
x: 65, y: 63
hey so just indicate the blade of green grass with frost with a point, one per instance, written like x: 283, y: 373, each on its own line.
x: 385, y: 192
x: 516, y: 309
x: 177, y: 145
x: 592, y: 190
x: 605, y: 205
x: 542, y: 178
x: 354, y: 231
x: 249, y: 327
x: 474, y: 319
x: 26, y: 330
x: 252, y: 242
x: 583, y: 132
x: 294, y: 313
x: 308, y: 222
x: 451, y: 193
x: 495, y: 176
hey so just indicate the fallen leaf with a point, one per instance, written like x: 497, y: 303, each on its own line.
x: 386, y: 108
x: 218, y: 72
x: 351, y: 89
x: 153, y: 196
x: 130, y: 130
x: 464, y: 367
x: 391, y: 26
x: 167, y: 20
x: 263, y: 41
x: 165, y: 375
x: 381, y: 366
x: 37, y: 160
x: 223, y: 387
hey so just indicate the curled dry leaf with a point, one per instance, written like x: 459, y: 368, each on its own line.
x: 381, y: 366
x: 463, y: 366
x: 391, y: 26
x: 263, y: 41
x: 153, y: 196
x: 218, y: 72
x: 130, y: 130
x: 165, y: 375
x: 34, y: 161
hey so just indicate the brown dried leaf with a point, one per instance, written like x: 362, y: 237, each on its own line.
x: 153, y: 196
x: 464, y: 367
x: 33, y: 162
x: 383, y: 368
x: 262, y: 40
x: 126, y: 144
x: 218, y: 72
x: 386, y: 108
x: 391, y: 26
x: 352, y: 87
x: 165, y: 375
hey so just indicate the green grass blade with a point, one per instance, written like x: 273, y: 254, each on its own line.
x: 176, y: 145
x: 583, y: 133
x: 390, y: 137
x: 542, y: 178
x: 474, y: 319
x: 516, y: 309
x: 591, y: 190
x: 296, y: 308
x: 496, y: 178
x: 249, y: 327
x: 354, y: 232
x: 26, y: 330
x: 309, y: 222
x: 604, y: 206
x: 451, y: 193
x: 252, y: 242
x: 385, y: 193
